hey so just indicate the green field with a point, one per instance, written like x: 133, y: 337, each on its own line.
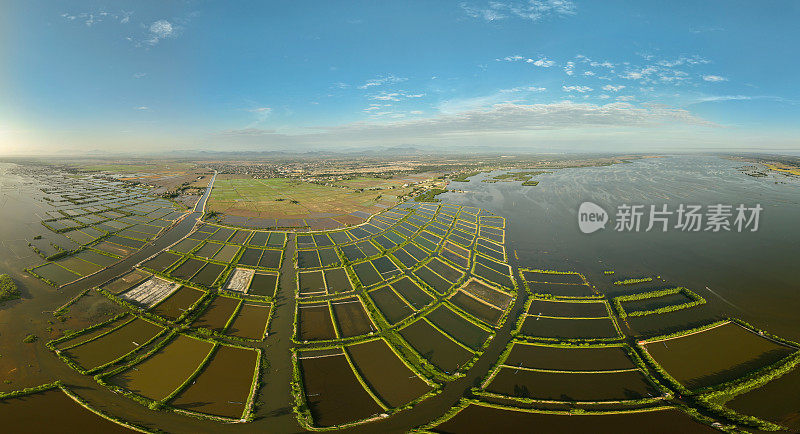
x: 284, y: 197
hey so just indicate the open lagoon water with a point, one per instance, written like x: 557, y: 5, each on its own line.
x: 753, y: 275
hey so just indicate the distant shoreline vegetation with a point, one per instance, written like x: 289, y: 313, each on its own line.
x: 430, y: 195
x: 8, y: 289
x: 633, y: 281
x: 525, y: 177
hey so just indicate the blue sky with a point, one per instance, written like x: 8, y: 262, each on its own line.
x: 540, y: 76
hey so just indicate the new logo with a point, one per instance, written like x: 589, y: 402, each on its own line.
x: 591, y: 217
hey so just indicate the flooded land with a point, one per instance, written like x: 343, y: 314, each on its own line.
x: 369, y: 311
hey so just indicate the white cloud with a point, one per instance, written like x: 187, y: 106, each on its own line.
x: 684, y: 60
x: 384, y: 80
x: 248, y: 132
x: 139, y: 75
x: 395, y: 96
x: 532, y: 10
x: 542, y: 62
x: 159, y: 30
x: 261, y: 115
x: 510, y: 59
x: 504, y: 124
x: 714, y: 78
x: 580, y: 89
x: 509, y: 117
x: 718, y: 98
x: 523, y: 89
x: 142, y: 108
x: 569, y: 69
x: 386, y: 96
x: 98, y: 16
x: 589, y: 73
x: 611, y: 88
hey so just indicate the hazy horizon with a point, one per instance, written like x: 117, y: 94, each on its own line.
x: 550, y: 76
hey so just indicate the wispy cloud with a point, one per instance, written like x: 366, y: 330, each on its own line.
x: 395, y: 96
x: 252, y: 132
x: 569, y: 69
x: 542, y: 62
x: 612, y: 88
x: 523, y: 89
x: 142, y: 108
x: 139, y: 75
x: 382, y: 80
x: 684, y: 60
x: 532, y: 10
x: 714, y: 78
x: 261, y: 115
x: 89, y: 19
x: 579, y: 89
x: 160, y: 29
x: 501, y: 96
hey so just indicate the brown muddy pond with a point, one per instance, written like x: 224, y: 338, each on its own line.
x: 337, y: 281
x: 38, y: 412
x: 477, y: 308
x: 55, y: 273
x: 351, y: 317
x: 177, y: 303
x: 762, y: 402
x: 87, y: 336
x: 457, y: 327
x: 310, y: 283
x: 114, y: 345
x: 367, y: 274
x: 250, y: 322
x: 481, y: 419
x: 314, y: 322
x: 716, y: 356
x: 160, y: 374
x: 208, y: 274
x: 585, y: 386
x: 655, y: 302
x: 187, y: 269
x: 560, y: 289
x: 224, y: 385
x: 431, y: 344
x: 564, y: 309
x: 438, y: 283
x: 386, y: 374
x: 412, y: 293
x: 162, y: 261
x: 263, y: 284
x: 126, y: 281
x: 568, y: 358
x: 392, y: 307
x: 533, y: 276
x: 217, y: 314
x: 327, y: 381
x: 569, y: 328
x: 486, y: 293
